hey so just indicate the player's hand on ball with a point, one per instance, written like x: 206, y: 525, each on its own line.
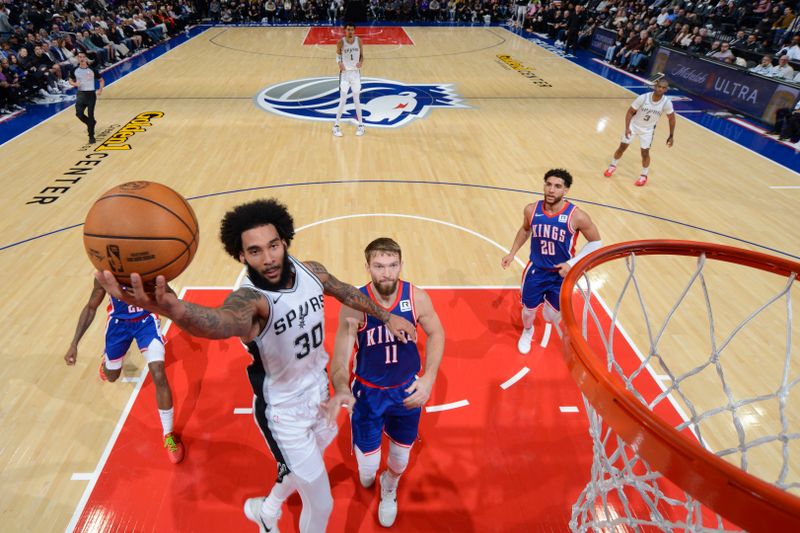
x: 162, y: 300
x: 340, y: 399
x: 420, y: 391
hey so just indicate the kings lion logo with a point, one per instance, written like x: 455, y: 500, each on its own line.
x: 384, y: 103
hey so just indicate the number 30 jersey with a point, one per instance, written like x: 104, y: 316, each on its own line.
x: 552, y: 236
x: 288, y: 354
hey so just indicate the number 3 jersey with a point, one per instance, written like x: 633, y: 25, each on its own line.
x: 288, y: 355
x: 552, y: 236
x: 382, y: 361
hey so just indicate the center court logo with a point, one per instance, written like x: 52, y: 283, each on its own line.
x: 384, y: 103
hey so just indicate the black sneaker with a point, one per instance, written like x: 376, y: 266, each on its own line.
x: 92, y: 140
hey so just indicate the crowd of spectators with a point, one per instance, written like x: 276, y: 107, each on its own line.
x: 40, y: 40
x: 753, y: 34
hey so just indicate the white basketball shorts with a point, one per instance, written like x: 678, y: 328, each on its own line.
x: 645, y: 136
x: 350, y: 79
x: 300, y: 431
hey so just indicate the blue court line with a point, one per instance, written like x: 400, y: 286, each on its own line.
x: 441, y: 183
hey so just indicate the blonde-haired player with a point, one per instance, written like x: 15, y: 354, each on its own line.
x: 640, y: 120
x: 350, y: 57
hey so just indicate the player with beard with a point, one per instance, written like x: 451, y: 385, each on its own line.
x: 553, y: 225
x: 387, y: 396
x: 277, y: 312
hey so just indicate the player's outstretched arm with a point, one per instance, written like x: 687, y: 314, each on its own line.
x: 350, y: 296
x: 523, y: 233
x: 421, y: 388
x: 349, y: 322
x: 85, y: 320
x: 238, y: 316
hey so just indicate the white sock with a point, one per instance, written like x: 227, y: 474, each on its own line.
x: 390, y: 481
x: 614, y: 162
x: 645, y: 170
x: 280, y: 491
x: 167, y: 416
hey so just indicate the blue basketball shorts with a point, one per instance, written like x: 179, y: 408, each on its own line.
x: 378, y: 410
x: 120, y: 333
x: 539, y: 286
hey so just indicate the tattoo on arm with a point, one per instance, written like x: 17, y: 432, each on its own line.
x: 233, y: 319
x: 346, y: 293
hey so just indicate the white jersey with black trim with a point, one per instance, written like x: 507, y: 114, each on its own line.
x: 288, y: 354
x: 351, y: 53
x: 648, y: 111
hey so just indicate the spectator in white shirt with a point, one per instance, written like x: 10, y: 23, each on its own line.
x: 792, y: 50
x: 784, y: 70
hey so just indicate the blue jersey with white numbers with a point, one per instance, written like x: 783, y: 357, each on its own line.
x: 123, y: 311
x: 552, y: 236
x: 381, y: 360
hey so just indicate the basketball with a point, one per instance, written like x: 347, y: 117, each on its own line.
x: 141, y: 227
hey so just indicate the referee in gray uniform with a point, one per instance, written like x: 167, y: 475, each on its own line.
x: 84, y: 78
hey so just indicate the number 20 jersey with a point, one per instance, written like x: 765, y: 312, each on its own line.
x: 288, y: 354
x: 552, y: 236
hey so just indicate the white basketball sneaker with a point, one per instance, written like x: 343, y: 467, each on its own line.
x: 387, y: 509
x: 524, y: 343
x: 360, y: 130
x: 266, y: 524
x: 337, y: 131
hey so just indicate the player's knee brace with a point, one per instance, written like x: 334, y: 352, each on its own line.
x: 398, y: 457
x: 154, y: 351
x: 368, y: 463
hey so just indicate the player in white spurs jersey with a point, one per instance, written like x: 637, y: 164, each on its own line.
x: 641, y: 121
x: 278, y: 314
x: 349, y: 57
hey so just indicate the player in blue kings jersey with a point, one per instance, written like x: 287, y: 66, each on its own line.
x: 553, y: 225
x: 387, y: 395
x: 126, y: 323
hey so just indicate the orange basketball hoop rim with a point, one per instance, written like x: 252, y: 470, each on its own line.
x: 747, y: 501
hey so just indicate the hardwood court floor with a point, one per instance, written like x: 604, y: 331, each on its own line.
x: 460, y: 177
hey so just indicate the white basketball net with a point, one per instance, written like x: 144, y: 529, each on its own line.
x: 624, y: 493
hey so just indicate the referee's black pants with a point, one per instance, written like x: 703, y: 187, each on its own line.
x: 84, y: 109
